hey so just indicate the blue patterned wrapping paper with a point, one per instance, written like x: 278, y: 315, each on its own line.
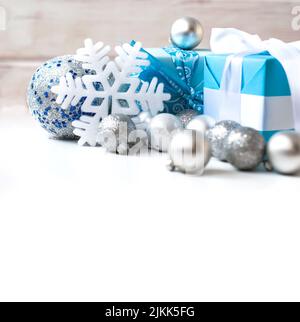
x: 182, y: 73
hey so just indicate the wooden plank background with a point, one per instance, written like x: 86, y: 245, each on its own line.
x: 40, y: 29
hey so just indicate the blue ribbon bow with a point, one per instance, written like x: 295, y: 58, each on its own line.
x: 185, y: 94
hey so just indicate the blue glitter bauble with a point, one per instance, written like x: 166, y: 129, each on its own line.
x: 42, y: 102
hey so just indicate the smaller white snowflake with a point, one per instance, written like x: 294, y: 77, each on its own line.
x: 111, y: 88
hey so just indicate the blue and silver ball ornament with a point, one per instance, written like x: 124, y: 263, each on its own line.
x: 42, y: 102
x: 186, y: 33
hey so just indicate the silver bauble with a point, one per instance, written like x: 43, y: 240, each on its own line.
x: 189, y: 151
x: 145, y: 117
x: 284, y: 152
x: 143, y: 120
x: 201, y: 123
x: 114, y: 131
x: 186, y: 33
x: 244, y: 148
x: 42, y: 102
x: 217, y: 135
x: 160, y: 130
x: 186, y: 116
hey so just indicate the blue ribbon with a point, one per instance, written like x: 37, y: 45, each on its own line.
x: 180, y: 86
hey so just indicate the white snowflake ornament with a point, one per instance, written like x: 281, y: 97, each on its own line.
x: 112, y: 89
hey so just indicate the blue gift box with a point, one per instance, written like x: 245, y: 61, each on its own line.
x: 264, y: 101
x: 182, y: 73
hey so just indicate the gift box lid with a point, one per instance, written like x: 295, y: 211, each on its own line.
x: 262, y: 75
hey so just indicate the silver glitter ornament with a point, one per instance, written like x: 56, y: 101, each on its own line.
x: 201, y: 123
x: 186, y: 116
x: 160, y: 130
x: 189, y: 151
x: 114, y: 131
x: 217, y: 135
x: 244, y: 148
x: 186, y: 33
x: 42, y: 102
x: 283, y: 151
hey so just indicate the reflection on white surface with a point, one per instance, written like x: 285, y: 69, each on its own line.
x: 77, y: 223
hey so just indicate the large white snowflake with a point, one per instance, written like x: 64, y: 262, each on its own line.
x: 112, y: 88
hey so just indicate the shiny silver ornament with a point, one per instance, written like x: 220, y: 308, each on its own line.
x: 143, y: 120
x: 145, y: 117
x: 244, y: 148
x: 160, y: 130
x: 186, y: 33
x: 189, y: 151
x: 217, y: 135
x: 283, y: 152
x: 114, y: 131
x: 186, y: 116
x: 201, y: 123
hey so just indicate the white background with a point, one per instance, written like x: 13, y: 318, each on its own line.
x: 80, y: 224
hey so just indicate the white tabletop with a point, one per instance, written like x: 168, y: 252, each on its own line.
x: 77, y: 223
